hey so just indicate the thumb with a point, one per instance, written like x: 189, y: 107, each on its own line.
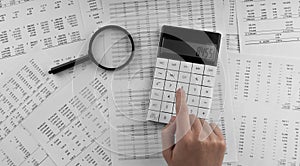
x: 168, y: 139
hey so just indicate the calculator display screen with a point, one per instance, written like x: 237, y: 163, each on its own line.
x: 206, y: 52
x: 189, y: 45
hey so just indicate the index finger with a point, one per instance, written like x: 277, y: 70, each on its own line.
x: 182, y: 116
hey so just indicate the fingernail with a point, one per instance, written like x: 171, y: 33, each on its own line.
x: 179, y: 90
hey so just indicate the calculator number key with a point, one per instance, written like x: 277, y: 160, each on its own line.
x: 203, y: 113
x: 208, y: 81
x: 193, y: 100
x: 170, y: 86
x: 194, y: 90
x: 167, y: 107
x: 154, y: 105
x: 158, y: 84
x: 207, y: 92
x: 185, y: 66
x: 210, y: 70
x: 160, y: 73
x: 173, y: 65
x: 205, y: 102
x: 169, y: 96
x: 196, y: 79
x: 164, y: 117
x: 153, y: 116
x: 161, y: 63
x: 156, y: 94
x: 184, y: 77
x: 198, y: 68
x: 172, y: 75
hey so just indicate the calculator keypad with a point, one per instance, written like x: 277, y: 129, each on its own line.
x: 197, y: 80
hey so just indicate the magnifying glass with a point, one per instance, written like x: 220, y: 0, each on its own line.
x: 111, y: 47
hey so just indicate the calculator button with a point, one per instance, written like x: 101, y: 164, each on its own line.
x: 173, y: 65
x: 153, y: 115
x: 158, y: 84
x: 203, y: 113
x: 205, y: 102
x: 186, y: 66
x: 208, y: 81
x: 156, y: 94
x: 193, y: 110
x: 170, y: 86
x: 184, y: 86
x: 193, y: 100
x: 184, y: 77
x: 207, y: 92
x: 172, y: 75
x: 160, y: 73
x: 162, y: 63
x: 154, y: 105
x: 169, y: 96
x: 194, y: 90
x: 167, y: 107
x: 210, y: 70
x: 198, y: 68
x: 196, y: 79
x: 164, y: 117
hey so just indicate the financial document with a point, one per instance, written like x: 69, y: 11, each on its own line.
x: 268, y: 135
x: 267, y: 80
x: 266, y: 98
x: 45, y: 124
x: 56, y: 28
x: 135, y: 140
x: 22, y: 92
x: 72, y: 126
x: 269, y: 27
x: 46, y: 23
x: 92, y: 14
x: 232, y: 33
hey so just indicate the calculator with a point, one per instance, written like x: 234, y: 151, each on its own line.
x: 187, y: 59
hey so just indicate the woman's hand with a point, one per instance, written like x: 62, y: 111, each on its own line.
x: 197, y: 142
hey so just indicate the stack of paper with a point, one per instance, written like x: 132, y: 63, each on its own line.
x: 264, y: 78
x: 88, y: 116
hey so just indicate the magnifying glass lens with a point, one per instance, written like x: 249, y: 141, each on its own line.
x: 111, y: 48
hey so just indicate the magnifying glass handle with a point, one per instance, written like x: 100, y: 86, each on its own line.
x: 68, y: 65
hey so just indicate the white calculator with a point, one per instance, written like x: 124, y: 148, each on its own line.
x: 187, y: 59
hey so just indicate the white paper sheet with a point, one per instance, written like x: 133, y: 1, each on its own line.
x: 22, y: 91
x: 20, y: 148
x: 268, y: 135
x: 232, y: 35
x: 266, y: 98
x: 92, y: 14
x: 269, y: 27
x: 8, y: 3
x: 49, y: 24
x: 134, y: 140
x: 62, y: 41
x: 57, y: 29
x: 29, y: 110
x: 264, y: 79
x: 72, y: 125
